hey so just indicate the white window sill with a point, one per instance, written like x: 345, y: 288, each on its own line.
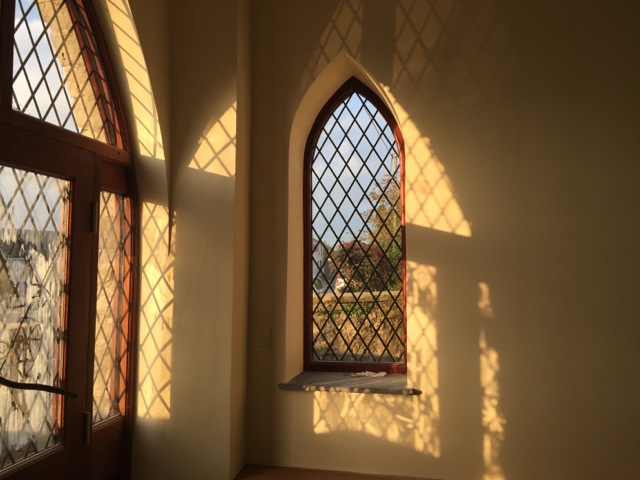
x: 390, y: 384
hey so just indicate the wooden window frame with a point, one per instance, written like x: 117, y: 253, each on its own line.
x: 352, y: 85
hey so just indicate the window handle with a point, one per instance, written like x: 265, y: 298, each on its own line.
x: 36, y: 386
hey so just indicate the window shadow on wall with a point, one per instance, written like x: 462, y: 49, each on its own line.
x: 493, y: 418
x: 156, y: 257
x: 456, y: 48
x: 216, y: 151
x: 156, y: 314
x: 147, y: 123
x: 343, y: 33
x: 462, y: 329
x: 430, y: 200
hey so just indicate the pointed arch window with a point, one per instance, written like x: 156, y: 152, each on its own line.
x: 67, y: 237
x: 354, y: 245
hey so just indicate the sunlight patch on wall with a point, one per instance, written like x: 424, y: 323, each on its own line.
x: 143, y: 104
x: 156, y: 314
x: 413, y: 421
x: 52, y: 80
x: 422, y: 354
x: 342, y: 34
x: 388, y: 417
x: 217, y: 147
x: 430, y: 200
x: 493, y: 420
x: 454, y: 49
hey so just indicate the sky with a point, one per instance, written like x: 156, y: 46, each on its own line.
x: 29, y: 68
x: 356, y: 143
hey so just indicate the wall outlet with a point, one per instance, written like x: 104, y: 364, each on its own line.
x: 260, y: 337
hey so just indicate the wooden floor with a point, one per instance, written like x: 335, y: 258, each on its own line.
x: 259, y: 472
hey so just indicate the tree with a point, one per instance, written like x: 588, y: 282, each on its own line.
x: 374, y: 261
x: 384, y: 220
x: 363, y: 265
x: 384, y: 228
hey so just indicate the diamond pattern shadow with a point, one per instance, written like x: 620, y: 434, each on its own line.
x: 342, y: 33
x: 430, y: 199
x: 493, y: 418
x: 156, y: 319
x: 458, y: 48
x: 147, y: 123
x: 217, y: 147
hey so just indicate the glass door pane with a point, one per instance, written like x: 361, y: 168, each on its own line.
x: 34, y: 261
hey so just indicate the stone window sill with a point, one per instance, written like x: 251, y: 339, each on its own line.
x: 390, y: 384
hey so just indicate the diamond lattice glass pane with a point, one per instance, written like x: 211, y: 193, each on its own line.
x: 34, y: 253
x: 112, y: 307
x: 57, y: 74
x: 356, y: 238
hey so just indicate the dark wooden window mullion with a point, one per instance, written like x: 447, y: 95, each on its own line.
x: 103, y: 99
x: 7, y: 13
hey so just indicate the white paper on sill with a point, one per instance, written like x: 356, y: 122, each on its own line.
x: 369, y: 374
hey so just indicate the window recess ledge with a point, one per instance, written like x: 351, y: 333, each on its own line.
x: 390, y: 384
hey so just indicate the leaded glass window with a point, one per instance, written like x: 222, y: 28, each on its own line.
x: 57, y: 73
x: 113, y: 307
x: 355, y: 259
x: 34, y: 249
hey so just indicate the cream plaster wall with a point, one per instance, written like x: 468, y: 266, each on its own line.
x: 528, y: 332
x: 522, y: 334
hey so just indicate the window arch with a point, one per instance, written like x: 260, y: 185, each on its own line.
x: 354, y: 236
x: 67, y: 224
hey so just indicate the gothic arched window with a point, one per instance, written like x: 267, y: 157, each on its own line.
x: 354, y: 240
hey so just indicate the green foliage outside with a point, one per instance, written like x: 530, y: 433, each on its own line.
x: 374, y: 260
x: 365, y: 322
